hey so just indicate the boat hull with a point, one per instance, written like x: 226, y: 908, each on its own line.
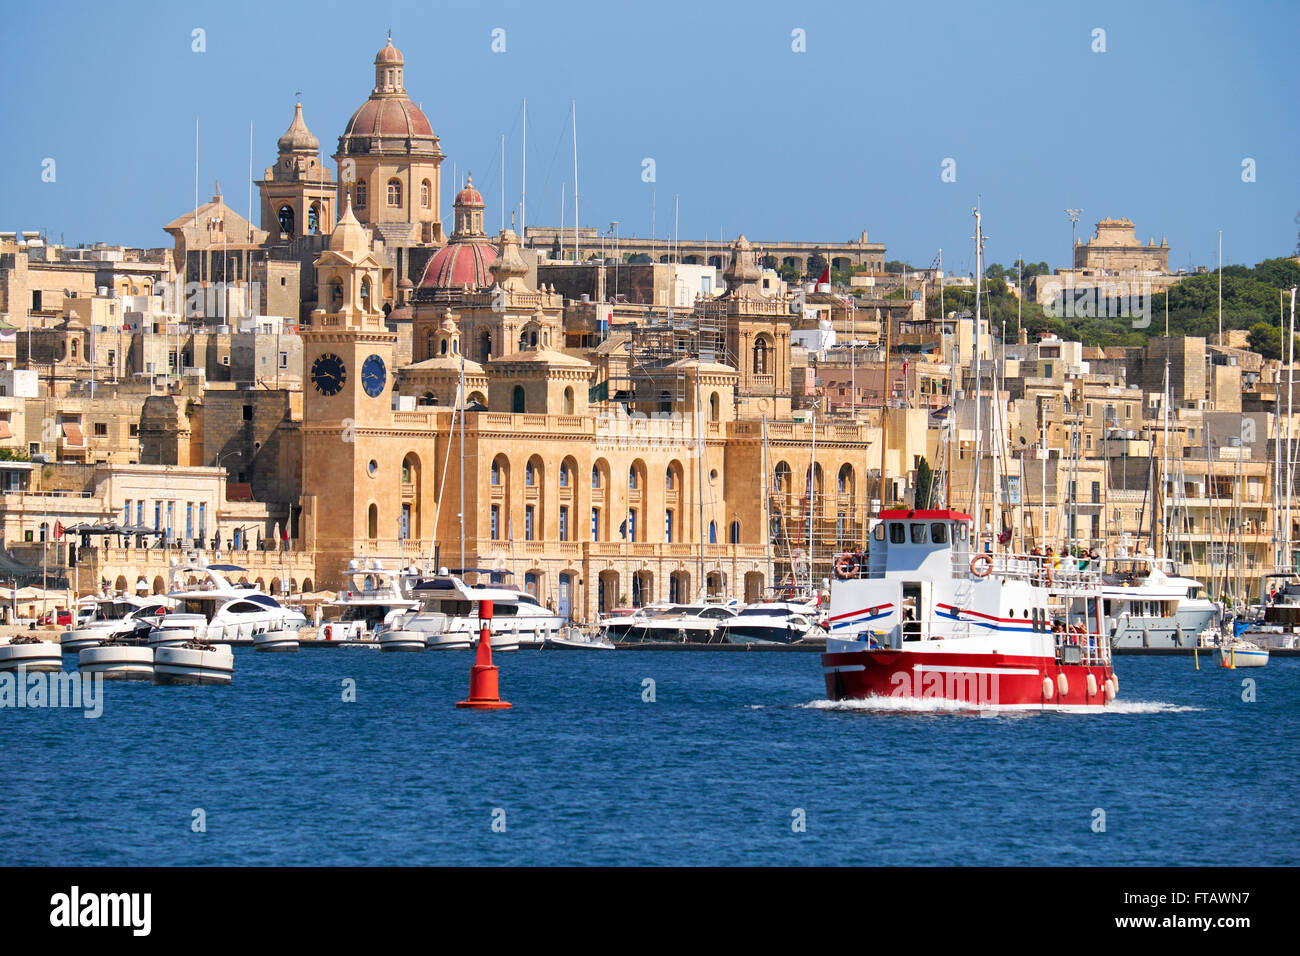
x: 42, y: 656
x: 281, y: 642
x: 1239, y: 658
x: 402, y: 640
x: 185, y: 665
x: 983, y: 681
x: 117, y: 662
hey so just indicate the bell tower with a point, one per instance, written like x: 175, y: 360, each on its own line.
x: 348, y: 359
x: 299, y: 192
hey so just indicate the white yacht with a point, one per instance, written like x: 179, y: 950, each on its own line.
x: 772, y: 622
x: 373, y: 604
x: 573, y: 638
x: 1145, y: 603
x: 108, y: 617
x: 699, y: 623
x: 1236, y: 652
x: 614, y: 626
x: 448, y: 615
x: 208, y: 607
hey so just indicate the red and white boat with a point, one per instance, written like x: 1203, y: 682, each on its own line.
x: 922, y: 617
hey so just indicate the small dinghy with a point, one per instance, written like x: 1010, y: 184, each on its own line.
x: 194, y: 662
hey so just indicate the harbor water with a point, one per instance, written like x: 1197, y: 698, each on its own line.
x: 646, y: 758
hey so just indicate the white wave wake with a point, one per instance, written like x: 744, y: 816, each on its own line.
x: 939, y: 705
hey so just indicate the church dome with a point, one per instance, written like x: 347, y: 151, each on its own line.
x: 469, y: 196
x: 388, y: 116
x: 460, y: 264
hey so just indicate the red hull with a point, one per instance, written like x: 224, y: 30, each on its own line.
x: 981, y: 680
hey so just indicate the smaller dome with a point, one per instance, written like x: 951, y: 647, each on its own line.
x: 389, y: 55
x: 469, y: 196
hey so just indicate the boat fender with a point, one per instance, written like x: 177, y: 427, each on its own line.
x: 1114, y: 682
x: 1110, y: 689
x: 981, y: 565
x: 1047, y: 688
x: 1092, y: 686
x: 1062, y: 684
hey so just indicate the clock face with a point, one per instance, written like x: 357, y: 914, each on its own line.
x: 373, y: 376
x: 328, y: 374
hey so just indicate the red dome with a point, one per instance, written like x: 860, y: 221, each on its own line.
x: 388, y: 116
x: 469, y: 196
x: 460, y: 264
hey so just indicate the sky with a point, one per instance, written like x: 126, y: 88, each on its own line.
x: 748, y: 134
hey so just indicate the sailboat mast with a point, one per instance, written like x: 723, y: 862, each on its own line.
x: 979, y: 424
x: 523, y: 172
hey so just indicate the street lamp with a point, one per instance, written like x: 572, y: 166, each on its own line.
x: 1074, y: 223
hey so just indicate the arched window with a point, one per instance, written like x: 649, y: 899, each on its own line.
x: 714, y: 407
x: 568, y: 401
x: 286, y: 220
x: 735, y: 532
x: 781, y: 478
x: 496, y: 472
x: 426, y: 194
x: 631, y: 477
x: 713, y: 532
x: 394, y: 192
x: 443, y: 348
x: 365, y: 294
x: 564, y: 475
x: 361, y: 195
x: 372, y: 523
x: 336, y: 294
x: 844, y: 480
x: 595, y: 477
x: 760, y: 356
x: 529, y: 476
x: 517, y: 399
x: 313, y: 219
x: 485, y: 346
x: 668, y: 478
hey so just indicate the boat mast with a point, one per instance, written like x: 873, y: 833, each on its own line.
x: 979, y: 430
x: 1290, y: 396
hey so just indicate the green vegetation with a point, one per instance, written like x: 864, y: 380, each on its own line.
x: 924, y: 479
x: 9, y: 454
x: 1250, y: 301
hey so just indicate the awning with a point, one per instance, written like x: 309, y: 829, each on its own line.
x: 72, y: 433
x: 4, y: 429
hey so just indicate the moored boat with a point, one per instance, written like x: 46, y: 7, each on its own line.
x: 195, y: 662
x: 576, y: 639
x: 31, y: 654
x: 1237, y: 652
x: 117, y: 661
x: 276, y: 640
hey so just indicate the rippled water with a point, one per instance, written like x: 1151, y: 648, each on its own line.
x: 583, y: 771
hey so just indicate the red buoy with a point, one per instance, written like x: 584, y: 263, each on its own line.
x: 483, y: 691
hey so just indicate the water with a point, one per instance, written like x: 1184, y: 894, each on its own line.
x: 585, y: 772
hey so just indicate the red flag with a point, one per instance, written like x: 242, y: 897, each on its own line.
x: 825, y: 277
x: 58, y: 529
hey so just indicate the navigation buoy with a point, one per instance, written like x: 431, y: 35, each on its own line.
x: 483, y: 691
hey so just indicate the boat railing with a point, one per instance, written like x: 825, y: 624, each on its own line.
x: 1082, y: 647
x: 1054, y: 571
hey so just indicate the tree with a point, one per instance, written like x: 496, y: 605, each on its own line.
x: 897, y: 267
x: 816, y: 266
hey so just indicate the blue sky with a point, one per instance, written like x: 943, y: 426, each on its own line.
x: 752, y: 137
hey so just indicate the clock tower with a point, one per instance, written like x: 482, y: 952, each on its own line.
x: 348, y: 357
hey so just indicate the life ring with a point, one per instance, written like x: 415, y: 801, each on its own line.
x: 843, y: 567
x: 329, y: 633
x: 984, y: 561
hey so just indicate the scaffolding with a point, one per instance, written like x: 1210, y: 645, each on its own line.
x: 654, y: 375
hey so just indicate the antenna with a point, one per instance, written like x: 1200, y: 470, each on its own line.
x: 575, y: 180
x: 1074, y: 222
x: 523, y: 167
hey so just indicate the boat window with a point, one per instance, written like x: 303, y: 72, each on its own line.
x: 879, y: 532
x: 939, y: 533
x: 244, y: 607
x: 715, y: 612
x: 918, y: 533
x: 896, y: 532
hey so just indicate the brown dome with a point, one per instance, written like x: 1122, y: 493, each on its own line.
x: 389, y: 55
